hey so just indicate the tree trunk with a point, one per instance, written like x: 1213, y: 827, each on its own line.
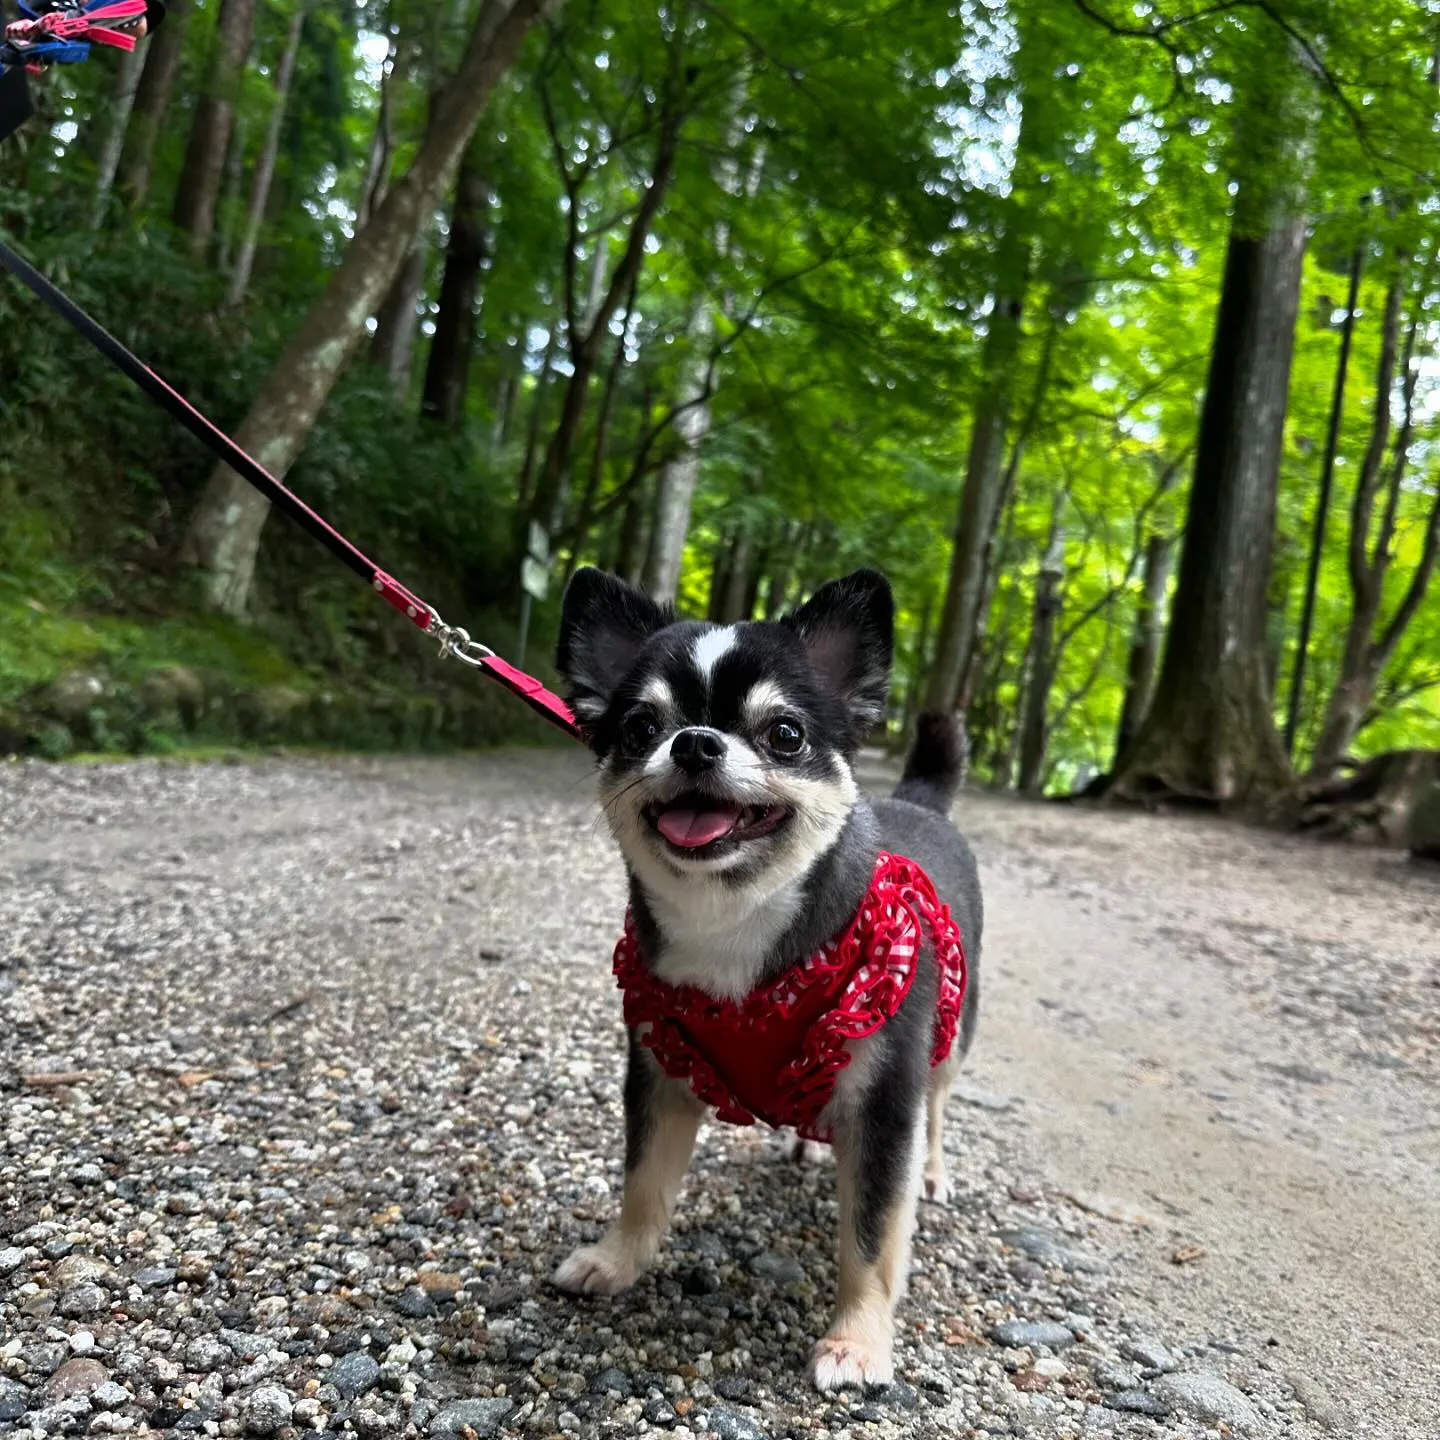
x: 398, y: 322
x: 447, y: 370
x: 679, y: 475
x: 1042, y: 661
x: 916, y: 679
x: 265, y: 165
x: 525, y: 483
x: 1210, y: 733
x: 633, y: 543
x: 1145, y: 644
x: 720, y: 575
x: 782, y: 567
x: 737, y: 577
x: 504, y: 406
x: 1366, y: 654
x: 1322, y: 505
x: 980, y: 494
x: 587, y: 339
x: 203, y: 172
x: 127, y: 84
x: 152, y: 99
x: 224, y: 532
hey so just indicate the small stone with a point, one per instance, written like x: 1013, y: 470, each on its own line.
x: 372, y: 1425
x: 267, y: 1410
x: 1211, y: 1398
x: 611, y: 1382
x: 45, y: 1357
x: 1147, y: 1351
x: 734, y: 1387
x: 81, y: 1301
x: 12, y: 1257
x: 205, y: 1354
x: 415, y: 1303
x: 699, y: 1280
x: 727, y: 1424
x: 110, y: 1396
x: 871, y: 1413
x: 782, y: 1269
x: 76, y: 1377
x: 440, y: 1286
x: 523, y: 1352
x: 1139, y: 1402
x: 354, y: 1374
x: 155, y: 1277
x: 1116, y: 1375
x: 401, y: 1353
x: 484, y: 1417
x: 660, y: 1412
x: 82, y: 1342
x: 56, y: 1249
x: 1018, y: 1333
x: 14, y: 1399
x: 1051, y: 1367
x: 1045, y: 1248
x: 897, y: 1393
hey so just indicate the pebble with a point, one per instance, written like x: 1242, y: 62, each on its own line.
x: 1048, y: 1250
x: 1147, y: 1351
x: 484, y: 1417
x: 82, y: 1342
x: 76, y: 1377
x: 353, y: 1374
x: 1019, y: 1333
x: 12, y: 1257
x: 1139, y: 1402
x: 80, y: 1302
x: 267, y: 1410
x: 660, y: 1412
x: 110, y: 1396
x: 781, y: 1269
x: 155, y: 1277
x: 611, y: 1382
x: 75, y: 1269
x: 205, y: 1353
x: 14, y: 1399
x: 1211, y: 1397
x: 727, y: 1424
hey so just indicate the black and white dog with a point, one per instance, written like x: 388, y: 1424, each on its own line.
x: 725, y: 761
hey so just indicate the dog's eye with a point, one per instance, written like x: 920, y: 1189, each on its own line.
x: 785, y: 737
x: 639, y: 731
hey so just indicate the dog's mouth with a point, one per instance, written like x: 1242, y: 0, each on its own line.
x: 700, y: 825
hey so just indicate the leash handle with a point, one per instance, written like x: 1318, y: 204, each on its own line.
x: 454, y: 641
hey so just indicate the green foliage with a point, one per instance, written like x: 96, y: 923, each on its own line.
x: 854, y: 185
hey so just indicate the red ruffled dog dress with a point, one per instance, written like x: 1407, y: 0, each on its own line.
x: 775, y: 1055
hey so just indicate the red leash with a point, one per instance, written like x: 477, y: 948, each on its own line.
x: 453, y: 640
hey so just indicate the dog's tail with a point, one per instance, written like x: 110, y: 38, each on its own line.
x: 935, y: 768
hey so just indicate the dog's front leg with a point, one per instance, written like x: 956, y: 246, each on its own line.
x: 878, y: 1154
x: 662, y: 1118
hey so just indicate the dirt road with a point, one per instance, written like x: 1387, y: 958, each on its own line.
x: 309, y: 1074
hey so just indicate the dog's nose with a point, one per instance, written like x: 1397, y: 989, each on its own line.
x: 697, y: 749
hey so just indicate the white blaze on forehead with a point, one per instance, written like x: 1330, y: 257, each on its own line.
x: 658, y: 693
x: 764, y: 698
x: 711, y: 646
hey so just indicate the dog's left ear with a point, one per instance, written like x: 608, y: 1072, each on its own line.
x: 604, y: 624
x: 848, y: 628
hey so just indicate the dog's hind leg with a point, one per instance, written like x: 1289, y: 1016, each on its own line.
x: 937, y: 1168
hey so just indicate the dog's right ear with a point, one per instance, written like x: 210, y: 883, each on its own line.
x: 604, y: 624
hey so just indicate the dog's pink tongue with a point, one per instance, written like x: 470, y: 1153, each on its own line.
x: 693, y: 828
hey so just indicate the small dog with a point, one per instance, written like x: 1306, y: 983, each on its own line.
x: 725, y: 757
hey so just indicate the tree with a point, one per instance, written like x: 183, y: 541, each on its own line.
x: 265, y: 165
x: 1209, y: 733
x: 224, y: 530
x: 198, y: 192
x: 152, y: 102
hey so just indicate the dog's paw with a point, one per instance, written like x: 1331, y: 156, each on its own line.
x: 841, y: 1362
x: 603, y: 1269
x: 937, y: 1187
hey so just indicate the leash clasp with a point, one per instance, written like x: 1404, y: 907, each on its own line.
x: 456, y: 643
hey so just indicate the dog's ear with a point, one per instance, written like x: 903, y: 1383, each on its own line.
x: 848, y: 629
x: 604, y: 624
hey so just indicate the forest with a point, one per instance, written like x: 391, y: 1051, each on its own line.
x: 1107, y: 330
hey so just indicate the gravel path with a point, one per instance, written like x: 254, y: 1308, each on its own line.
x: 309, y: 1074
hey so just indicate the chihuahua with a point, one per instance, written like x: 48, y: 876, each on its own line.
x: 793, y: 952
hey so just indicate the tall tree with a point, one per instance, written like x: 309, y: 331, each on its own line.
x: 447, y: 367
x: 1371, y: 639
x: 163, y: 51
x: 1210, y: 733
x: 224, y: 531
x: 264, y: 174
x: 198, y: 192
